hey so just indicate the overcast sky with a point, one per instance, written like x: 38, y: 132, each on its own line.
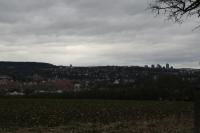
x: 94, y: 32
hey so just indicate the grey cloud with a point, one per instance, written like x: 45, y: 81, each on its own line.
x: 94, y: 32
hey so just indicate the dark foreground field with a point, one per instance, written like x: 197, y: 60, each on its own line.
x: 94, y: 116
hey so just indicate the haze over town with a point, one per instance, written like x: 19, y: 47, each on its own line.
x: 94, y: 32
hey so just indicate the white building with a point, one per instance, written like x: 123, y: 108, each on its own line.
x: 15, y: 93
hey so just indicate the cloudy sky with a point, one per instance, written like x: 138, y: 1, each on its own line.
x: 94, y: 32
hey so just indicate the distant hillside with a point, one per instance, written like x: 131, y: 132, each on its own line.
x: 13, y: 65
x: 22, y: 70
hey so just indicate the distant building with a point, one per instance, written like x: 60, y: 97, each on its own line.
x: 64, y: 85
x: 5, y: 77
x: 77, y: 87
x: 59, y: 91
x: 15, y: 93
x: 167, y: 66
x: 116, y: 82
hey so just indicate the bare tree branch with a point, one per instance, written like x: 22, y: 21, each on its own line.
x: 176, y: 9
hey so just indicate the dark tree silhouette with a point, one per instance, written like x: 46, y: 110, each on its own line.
x: 176, y: 10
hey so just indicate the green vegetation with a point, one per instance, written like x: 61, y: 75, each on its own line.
x: 35, y: 115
